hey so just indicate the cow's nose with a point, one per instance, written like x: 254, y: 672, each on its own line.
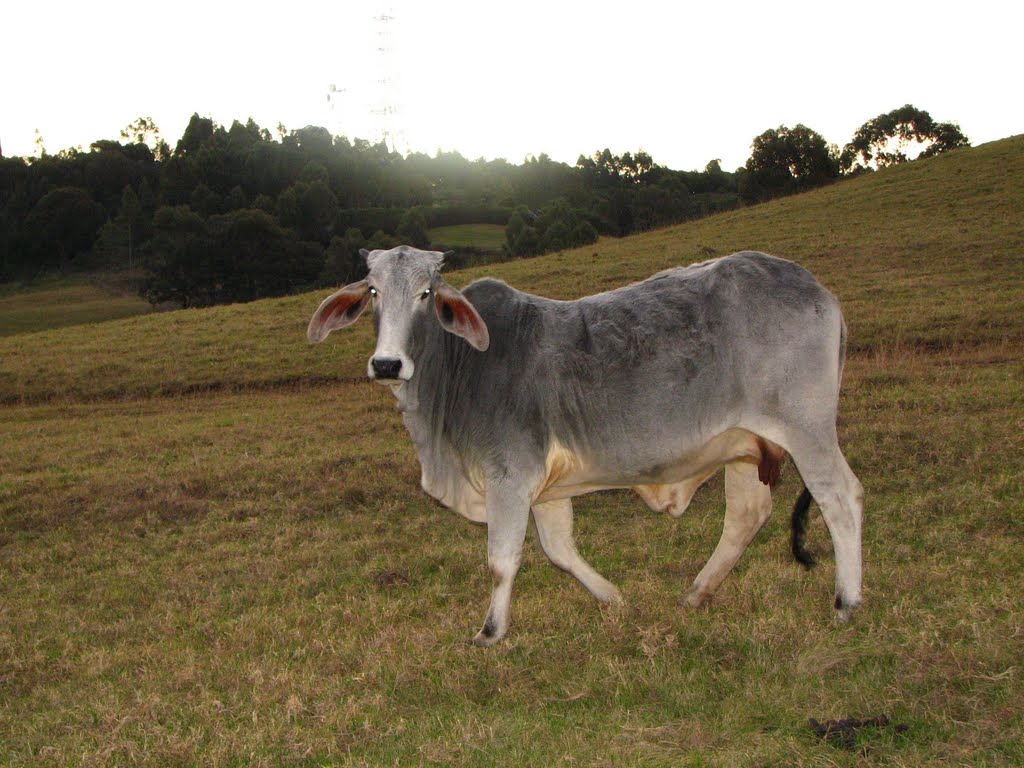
x: 386, y: 367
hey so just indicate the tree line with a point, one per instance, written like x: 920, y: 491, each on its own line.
x: 234, y: 213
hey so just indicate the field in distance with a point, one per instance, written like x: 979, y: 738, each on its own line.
x: 488, y: 236
x: 55, y: 303
x: 214, y: 551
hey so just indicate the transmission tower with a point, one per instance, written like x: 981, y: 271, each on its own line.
x: 385, y: 109
x: 336, y: 98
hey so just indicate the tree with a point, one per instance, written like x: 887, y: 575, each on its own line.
x: 129, y: 217
x: 205, y: 201
x: 264, y: 203
x: 315, y: 141
x: 309, y: 209
x: 63, y: 225
x: 40, y: 144
x: 884, y: 140
x: 556, y: 227
x: 236, y: 199
x: 239, y: 256
x: 342, y: 263
x: 108, y: 169
x: 787, y: 160
x: 142, y: 131
x: 381, y: 240
x: 317, y: 186
x: 521, y: 238
x: 198, y: 132
x: 412, y: 228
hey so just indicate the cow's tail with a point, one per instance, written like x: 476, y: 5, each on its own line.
x: 798, y: 523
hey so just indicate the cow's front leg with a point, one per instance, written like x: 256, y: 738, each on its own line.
x: 508, y: 512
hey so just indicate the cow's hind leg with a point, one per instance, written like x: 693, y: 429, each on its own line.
x: 554, y: 528
x: 748, y: 505
x: 508, y: 515
x: 841, y: 498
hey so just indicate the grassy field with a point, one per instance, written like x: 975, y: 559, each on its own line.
x: 61, y: 302
x: 489, y: 236
x: 213, y: 549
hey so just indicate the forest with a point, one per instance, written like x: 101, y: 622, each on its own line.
x: 233, y: 213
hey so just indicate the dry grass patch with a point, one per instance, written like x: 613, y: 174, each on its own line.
x: 253, y: 628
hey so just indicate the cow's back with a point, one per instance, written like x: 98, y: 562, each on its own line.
x: 651, y: 367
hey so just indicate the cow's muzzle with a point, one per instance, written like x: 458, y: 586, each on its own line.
x: 386, y: 367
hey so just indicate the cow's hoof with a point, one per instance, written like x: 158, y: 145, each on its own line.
x: 696, y: 597
x: 845, y: 609
x: 489, y: 634
x: 483, y: 641
x: 610, y: 596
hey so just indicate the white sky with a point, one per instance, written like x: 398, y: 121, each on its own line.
x: 685, y: 82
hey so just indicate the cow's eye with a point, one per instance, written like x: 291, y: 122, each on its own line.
x: 373, y: 292
x: 425, y: 295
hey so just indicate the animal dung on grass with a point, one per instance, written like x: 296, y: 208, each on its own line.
x: 389, y: 578
x: 516, y: 403
x: 845, y: 732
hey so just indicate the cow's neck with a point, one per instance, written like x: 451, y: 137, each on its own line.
x: 423, y: 400
x: 426, y: 403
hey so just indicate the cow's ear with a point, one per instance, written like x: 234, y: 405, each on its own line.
x: 460, y: 317
x: 338, y: 310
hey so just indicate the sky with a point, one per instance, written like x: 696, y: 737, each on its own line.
x: 685, y: 82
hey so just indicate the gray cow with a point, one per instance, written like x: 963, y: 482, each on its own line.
x: 516, y: 402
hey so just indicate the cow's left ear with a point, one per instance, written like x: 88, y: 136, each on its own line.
x: 460, y: 317
x: 338, y: 310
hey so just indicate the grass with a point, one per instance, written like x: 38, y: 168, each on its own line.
x: 63, y: 302
x: 487, y: 236
x: 213, y: 549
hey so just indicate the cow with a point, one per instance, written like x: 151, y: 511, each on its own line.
x: 516, y: 402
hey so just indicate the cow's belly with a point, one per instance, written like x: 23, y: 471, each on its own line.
x: 667, y: 486
x: 569, y: 474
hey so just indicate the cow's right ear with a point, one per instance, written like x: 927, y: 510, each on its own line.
x: 338, y: 310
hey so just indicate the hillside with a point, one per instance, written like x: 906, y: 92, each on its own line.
x: 910, y: 252
x: 214, y: 550
x: 63, y: 302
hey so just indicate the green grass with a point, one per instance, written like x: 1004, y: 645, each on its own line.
x: 488, y: 236
x: 213, y: 549
x: 63, y: 302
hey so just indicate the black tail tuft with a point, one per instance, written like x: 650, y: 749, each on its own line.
x: 799, y: 525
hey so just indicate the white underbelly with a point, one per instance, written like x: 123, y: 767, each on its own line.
x: 569, y: 474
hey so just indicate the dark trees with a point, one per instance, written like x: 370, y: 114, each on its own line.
x: 883, y: 140
x: 787, y: 160
x: 233, y: 213
x: 412, y: 228
x: 342, y: 263
x: 62, y: 226
x: 555, y: 227
x: 239, y: 256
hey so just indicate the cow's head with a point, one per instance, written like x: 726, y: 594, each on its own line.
x: 405, y: 288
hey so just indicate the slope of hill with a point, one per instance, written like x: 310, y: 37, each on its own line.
x: 213, y: 549
x: 926, y: 254
x: 63, y: 302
